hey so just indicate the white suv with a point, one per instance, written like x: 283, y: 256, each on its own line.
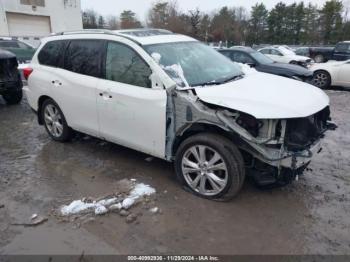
x: 175, y: 98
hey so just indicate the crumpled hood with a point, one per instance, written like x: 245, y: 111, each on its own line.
x: 266, y: 96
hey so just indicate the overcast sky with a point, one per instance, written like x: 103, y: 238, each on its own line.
x: 141, y: 7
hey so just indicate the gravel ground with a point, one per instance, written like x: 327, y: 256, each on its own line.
x: 37, y: 175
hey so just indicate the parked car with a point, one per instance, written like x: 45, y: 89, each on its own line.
x: 283, y: 55
x: 262, y: 63
x: 341, y: 52
x: 172, y: 97
x: 10, y: 79
x: 332, y: 73
x: 23, y: 51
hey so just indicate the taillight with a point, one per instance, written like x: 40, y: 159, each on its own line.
x: 26, y: 72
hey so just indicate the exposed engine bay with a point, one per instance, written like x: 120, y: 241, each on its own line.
x: 270, y: 146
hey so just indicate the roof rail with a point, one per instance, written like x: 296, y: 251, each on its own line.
x: 96, y: 31
x: 86, y: 31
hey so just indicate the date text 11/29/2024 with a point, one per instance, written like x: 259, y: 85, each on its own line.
x: 173, y: 258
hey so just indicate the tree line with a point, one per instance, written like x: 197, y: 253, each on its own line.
x: 292, y: 24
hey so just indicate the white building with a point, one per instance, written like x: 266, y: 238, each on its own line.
x: 36, y: 18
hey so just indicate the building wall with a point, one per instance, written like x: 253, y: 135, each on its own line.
x: 65, y: 15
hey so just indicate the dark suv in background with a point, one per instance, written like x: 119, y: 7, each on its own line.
x: 262, y: 63
x: 340, y: 52
x: 23, y: 51
x: 10, y: 79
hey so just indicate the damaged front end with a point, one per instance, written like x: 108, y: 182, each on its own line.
x: 274, y: 150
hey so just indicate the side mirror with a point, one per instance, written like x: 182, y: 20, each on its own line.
x: 251, y: 64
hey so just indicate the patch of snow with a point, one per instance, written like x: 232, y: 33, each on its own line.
x: 246, y: 69
x: 103, y: 206
x: 108, y: 202
x: 77, y: 207
x: 156, y: 57
x: 128, y: 202
x: 140, y: 190
x: 154, y: 210
x: 101, y: 210
x: 118, y: 206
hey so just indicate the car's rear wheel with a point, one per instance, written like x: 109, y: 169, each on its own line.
x: 319, y: 58
x: 13, y: 97
x: 210, y: 166
x: 321, y: 79
x: 55, y: 122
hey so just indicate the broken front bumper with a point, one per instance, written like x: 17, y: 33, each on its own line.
x: 296, y: 160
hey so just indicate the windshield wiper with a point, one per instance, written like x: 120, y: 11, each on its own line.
x: 216, y: 82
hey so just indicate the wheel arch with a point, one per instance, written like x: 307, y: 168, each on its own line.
x: 41, y: 101
x: 198, y: 128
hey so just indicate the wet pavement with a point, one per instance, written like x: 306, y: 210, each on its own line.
x: 37, y: 175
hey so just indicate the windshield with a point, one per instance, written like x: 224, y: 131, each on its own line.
x: 200, y: 64
x: 261, y: 58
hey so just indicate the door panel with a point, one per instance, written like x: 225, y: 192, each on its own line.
x: 130, y: 112
x: 133, y: 116
x: 344, y: 75
x: 76, y: 96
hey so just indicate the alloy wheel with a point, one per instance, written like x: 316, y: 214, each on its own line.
x: 320, y: 80
x: 204, y: 170
x: 53, y: 120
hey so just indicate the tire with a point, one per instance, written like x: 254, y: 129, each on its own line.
x: 13, y: 98
x: 322, y: 79
x: 229, y: 174
x: 54, y: 121
x: 319, y: 58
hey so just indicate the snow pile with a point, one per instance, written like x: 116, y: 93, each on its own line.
x: 246, y: 69
x: 139, y: 191
x: 110, y: 204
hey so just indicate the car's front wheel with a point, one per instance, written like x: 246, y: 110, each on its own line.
x: 321, y: 79
x: 210, y: 166
x: 13, y: 97
x: 55, y: 122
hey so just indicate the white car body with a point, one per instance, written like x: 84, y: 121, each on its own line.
x: 154, y: 120
x: 338, y: 70
x: 283, y: 55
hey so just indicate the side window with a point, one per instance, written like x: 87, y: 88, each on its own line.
x: 276, y: 52
x: 51, y: 54
x: 242, y: 58
x: 84, y: 57
x: 265, y: 51
x: 342, y: 48
x: 226, y: 53
x: 124, y: 65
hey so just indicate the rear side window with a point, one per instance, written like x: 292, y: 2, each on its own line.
x: 266, y: 51
x: 52, y: 53
x: 84, y: 57
x: 342, y: 48
x: 226, y: 53
x: 243, y: 58
x: 124, y: 65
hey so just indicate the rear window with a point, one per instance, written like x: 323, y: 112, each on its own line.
x: 85, y: 57
x: 52, y: 53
